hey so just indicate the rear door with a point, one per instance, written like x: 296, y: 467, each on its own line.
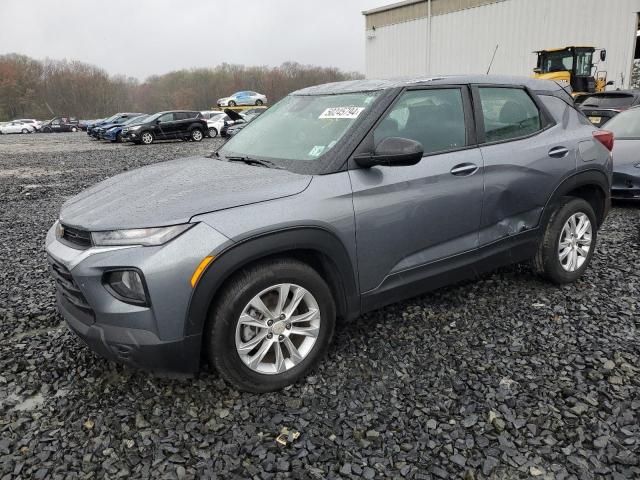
x: 409, y: 217
x: 526, y: 154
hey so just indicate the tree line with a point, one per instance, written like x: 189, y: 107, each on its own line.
x: 31, y: 88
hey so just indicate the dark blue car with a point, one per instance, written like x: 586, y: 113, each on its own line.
x: 113, y: 132
x: 113, y: 119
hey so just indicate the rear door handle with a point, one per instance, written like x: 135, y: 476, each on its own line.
x: 464, y: 169
x: 558, y: 152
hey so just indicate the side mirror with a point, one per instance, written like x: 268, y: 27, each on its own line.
x: 603, y: 55
x: 158, y: 122
x: 392, y: 152
x: 537, y: 70
x: 610, y: 82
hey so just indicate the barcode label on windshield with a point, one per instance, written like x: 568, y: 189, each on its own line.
x: 341, y: 112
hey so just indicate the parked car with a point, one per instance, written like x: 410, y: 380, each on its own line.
x: 114, y: 133
x: 626, y: 154
x: 243, y: 98
x: 208, y: 114
x: 96, y: 129
x: 17, y: 127
x: 233, y: 118
x: 84, y: 124
x: 234, y: 129
x: 602, y: 107
x: 36, y: 124
x: 60, y: 124
x: 349, y: 196
x: 186, y: 125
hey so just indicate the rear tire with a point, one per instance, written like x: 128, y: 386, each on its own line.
x: 196, y: 135
x: 74, y: 129
x: 24, y: 130
x: 286, y: 351
x: 568, y: 243
x: 213, y: 133
x: 232, y: 103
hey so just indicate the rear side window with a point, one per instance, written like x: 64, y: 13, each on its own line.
x: 182, y: 115
x: 508, y: 113
x: 434, y: 117
x: 167, y: 117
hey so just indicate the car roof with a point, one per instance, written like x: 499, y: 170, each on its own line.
x: 371, y: 85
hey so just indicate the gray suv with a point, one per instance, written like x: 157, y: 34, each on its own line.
x: 338, y: 200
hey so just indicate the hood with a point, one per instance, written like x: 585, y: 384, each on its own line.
x: 172, y: 192
x: 625, y: 152
x: 233, y: 115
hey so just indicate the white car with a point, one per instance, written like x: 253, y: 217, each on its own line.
x: 17, y: 127
x: 207, y: 114
x: 31, y: 121
x: 246, y: 97
x: 216, y: 122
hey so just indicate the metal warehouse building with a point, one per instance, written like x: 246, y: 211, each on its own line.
x: 459, y: 36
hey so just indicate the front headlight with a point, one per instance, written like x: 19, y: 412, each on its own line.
x: 140, y: 236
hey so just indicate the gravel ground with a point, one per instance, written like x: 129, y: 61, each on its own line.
x: 507, y: 377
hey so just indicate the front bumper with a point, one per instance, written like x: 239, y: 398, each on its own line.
x: 154, y: 337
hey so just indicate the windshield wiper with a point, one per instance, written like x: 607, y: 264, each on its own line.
x: 251, y: 161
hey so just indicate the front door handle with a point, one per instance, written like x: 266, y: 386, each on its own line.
x: 464, y: 169
x: 558, y: 152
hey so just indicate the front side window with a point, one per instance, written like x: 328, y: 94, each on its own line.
x: 508, y: 113
x: 300, y: 127
x: 435, y: 118
x: 167, y: 117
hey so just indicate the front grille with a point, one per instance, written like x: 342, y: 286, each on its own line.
x: 67, y: 286
x: 76, y: 238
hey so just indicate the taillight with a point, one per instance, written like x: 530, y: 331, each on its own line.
x: 605, y: 137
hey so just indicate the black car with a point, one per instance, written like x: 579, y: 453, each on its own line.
x: 231, y: 130
x: 602, y: 107
x: 175, y: 124
x: 60, y: 124
x: 95, y: 129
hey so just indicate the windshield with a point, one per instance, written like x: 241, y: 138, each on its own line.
x: 153, y: 117
x: 309, y: 125
x: 626, y: 124
x: 605, y: 100
x: 137, y: 119
x: 111, y: 118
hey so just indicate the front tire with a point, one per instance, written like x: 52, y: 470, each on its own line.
x: 271, y: 325
x: 213, y: 133
x: 196, y: 135
x: 74, y: 129
x: 258, y: 103
x: 568, y: 243
x: 147, y: 138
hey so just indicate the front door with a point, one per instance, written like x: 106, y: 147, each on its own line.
x: 409, y: 217
x: 165, y: 126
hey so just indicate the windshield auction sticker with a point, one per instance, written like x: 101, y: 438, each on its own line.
x: 341, y: 112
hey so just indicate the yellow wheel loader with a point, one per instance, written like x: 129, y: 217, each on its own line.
x: 573, y: 66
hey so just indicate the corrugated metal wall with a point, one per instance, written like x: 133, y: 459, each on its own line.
x: 463, y: 41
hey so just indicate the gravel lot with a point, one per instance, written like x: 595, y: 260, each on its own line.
x: 507, y: 377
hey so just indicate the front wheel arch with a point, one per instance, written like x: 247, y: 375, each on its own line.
x: 315, y: 246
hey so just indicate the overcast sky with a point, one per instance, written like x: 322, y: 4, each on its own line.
x: 143, y: 37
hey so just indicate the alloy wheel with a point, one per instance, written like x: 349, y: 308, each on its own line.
x: 147, y: 138
x: 575, y: 242
x: 196, y: 135
x: 278, y: 328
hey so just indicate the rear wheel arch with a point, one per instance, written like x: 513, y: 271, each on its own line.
x: 317, y: 247
x: 591, y: 185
